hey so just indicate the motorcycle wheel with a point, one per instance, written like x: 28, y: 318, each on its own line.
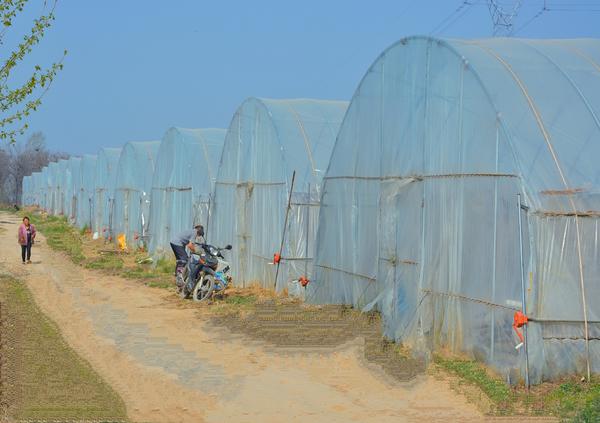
x: 204, y: 289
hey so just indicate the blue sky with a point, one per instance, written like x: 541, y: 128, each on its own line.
x: 137, y: 67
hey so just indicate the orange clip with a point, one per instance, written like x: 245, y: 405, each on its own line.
x: 519, y: 321
x: 276, y: 258
x: 303, y: 281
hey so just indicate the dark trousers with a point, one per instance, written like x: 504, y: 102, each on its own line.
x: 180, y: 255
x: 26, y: 251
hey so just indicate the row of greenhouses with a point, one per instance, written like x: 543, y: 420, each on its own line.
x: 456, y: 193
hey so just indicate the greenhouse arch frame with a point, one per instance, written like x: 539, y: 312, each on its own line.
x: 457, y: 129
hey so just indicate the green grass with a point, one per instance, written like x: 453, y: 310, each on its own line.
x: 154, y: 276
x: 570, y: 401
x: 7, y: 208
x: 474, y: 373
x: 110, y: 262
x: 165, y: 266
x: 160, y: 284
x: 241, y: 300
x: 137, y: 273
x: 60, y: 235
x: 580, y: 400
x: 590, y: 412
x: 49, y: 381
x: 84, y: 230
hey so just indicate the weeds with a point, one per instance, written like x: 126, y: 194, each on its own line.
x: 474, y: 373
x: 165, y: 266
x: 47, y: 379
x: 570, y: 400
x: 108, y: 262
x: 241, y: 300
x: 159, y: 284
x: 60, y: 235
x: 577, y: 399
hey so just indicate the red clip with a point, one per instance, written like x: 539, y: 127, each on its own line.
x: 519, y: 321
x: 303, y: 281
x: 276, y: 258
x: 136, y: 236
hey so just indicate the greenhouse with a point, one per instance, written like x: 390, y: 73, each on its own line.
x: 131, y: 201
x: 46, y: 188
x: 64, y: 184
x: 70, y: 186
x: 105, y: 178
x: 42, y: 188
x: 35, y: 186
x: 185, y: 171
x: 84, y: 187
x: 267, y: 141
x: 454, y: 157
x: 26, y: 190
x: 53, y: 193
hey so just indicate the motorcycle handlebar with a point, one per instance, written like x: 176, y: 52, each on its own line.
x: 219, y: 249
x: 227, y: 247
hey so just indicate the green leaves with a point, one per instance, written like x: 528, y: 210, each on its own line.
x: 17, y: 103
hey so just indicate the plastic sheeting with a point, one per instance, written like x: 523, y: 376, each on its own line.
x: 36, y: 188
x: 184, y: 176
x: 419, y: 214
x: 53, y: 193
x: 84, y: 187
x: 70, y: 187
x: 26, y: 189
x: 131, y: 204
x: 106, y: 175
x: 63, y: 182
x: 266, y: 141
x: 43, y: 188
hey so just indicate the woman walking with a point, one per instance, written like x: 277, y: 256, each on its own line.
x: 26, y: 237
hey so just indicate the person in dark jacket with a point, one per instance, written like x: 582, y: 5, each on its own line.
x: 26, y: 237
x: 187, y: 238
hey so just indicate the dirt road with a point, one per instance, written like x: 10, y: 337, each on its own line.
x: 169, y: 365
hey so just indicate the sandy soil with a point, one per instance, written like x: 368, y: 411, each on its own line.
x: 169, y: 365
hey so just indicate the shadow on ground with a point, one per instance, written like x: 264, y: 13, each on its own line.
x: 297, y: 326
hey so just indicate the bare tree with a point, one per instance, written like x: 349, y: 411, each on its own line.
x: 22, y: 160
x: 5, y: 165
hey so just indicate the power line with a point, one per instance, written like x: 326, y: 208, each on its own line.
x: 451, y: 18
x: 537, y: 15
x: 502, y: 18
x: 456, y: 19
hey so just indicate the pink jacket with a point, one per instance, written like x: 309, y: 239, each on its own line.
x: 23, y: 233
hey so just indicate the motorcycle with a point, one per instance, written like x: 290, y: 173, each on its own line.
x: 206, y: 273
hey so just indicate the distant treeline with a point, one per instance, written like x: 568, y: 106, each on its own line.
x: 22, y: 159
